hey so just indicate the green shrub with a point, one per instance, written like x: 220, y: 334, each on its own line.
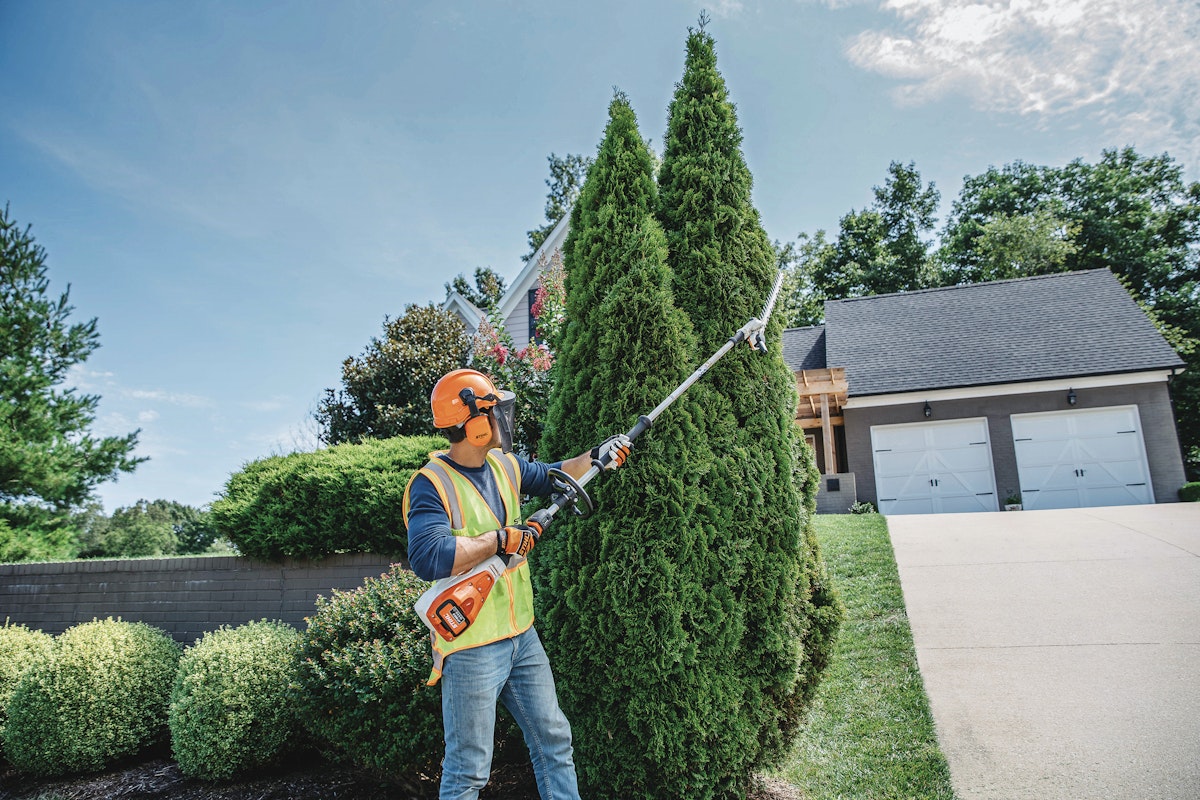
x: 1190, y: 493
x: 229, y: 707
x: 342, y: 499
x: 102, y: 694
x: 21, y: 649
x: 723, y: 267
x: 862, y: 507
x: 360, y: 683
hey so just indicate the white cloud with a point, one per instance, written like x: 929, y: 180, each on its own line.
x: 264, y: 406
x: 172, y: 398
x: 725, y: 8
x: 1131, y: 67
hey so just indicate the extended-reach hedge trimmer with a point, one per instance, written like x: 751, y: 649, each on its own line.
x: 450, y: 606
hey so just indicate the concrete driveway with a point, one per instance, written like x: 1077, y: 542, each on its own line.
x: 1060, y: 649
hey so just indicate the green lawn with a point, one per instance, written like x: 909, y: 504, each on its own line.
x: 870, y: 733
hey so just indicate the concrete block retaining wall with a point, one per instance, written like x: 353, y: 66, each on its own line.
x: 185, y: 597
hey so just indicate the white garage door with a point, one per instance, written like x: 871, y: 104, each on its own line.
x: 932, y: 467
x: 1077, y: 459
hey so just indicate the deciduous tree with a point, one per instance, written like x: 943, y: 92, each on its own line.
x: 1131, y: 214
x: 566, y: 178
x: 487, y: 291
x: 884, y: 248
x: 385, y: 391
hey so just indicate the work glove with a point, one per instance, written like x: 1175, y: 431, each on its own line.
x: 613, y: 451
x: 515, y: 540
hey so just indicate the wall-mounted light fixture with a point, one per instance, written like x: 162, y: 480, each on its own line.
x: 1071, y: 398
x: 929, y: 411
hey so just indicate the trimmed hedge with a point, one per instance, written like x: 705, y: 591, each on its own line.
x: 21, y: 649
x: 100, y: 695
x: 342, y: 499
x: 229, y: 707
x: 1190, y: 493
x: 360, y: 683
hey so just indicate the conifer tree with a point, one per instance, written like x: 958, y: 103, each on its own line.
x: 640, y: 626
x: 723, y: 266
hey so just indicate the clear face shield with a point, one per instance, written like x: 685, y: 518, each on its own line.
x: 504, y: 413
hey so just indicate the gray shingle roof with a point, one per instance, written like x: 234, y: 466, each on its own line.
x: 804, y: 348
x: 1045, y: 327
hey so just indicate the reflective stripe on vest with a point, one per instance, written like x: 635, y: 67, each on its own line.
x: 509, y: 608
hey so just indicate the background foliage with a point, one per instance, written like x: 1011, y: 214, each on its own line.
x: 527, y: 371
x: 1132, y: 214
x: 342, y: 499
x: 486, y: 292
x: 566, y: 178
x: 147, y: 528
x: 50, y: 462
x: 385, y: 391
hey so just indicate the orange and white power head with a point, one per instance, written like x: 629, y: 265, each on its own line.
x: 467, y: 399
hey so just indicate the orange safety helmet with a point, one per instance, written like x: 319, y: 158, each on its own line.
x: 466, y: 398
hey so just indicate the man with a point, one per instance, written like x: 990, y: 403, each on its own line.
x: 462, y: 508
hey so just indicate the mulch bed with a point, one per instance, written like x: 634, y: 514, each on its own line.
x: 302, y: 778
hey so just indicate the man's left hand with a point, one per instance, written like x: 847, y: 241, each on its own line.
x: 613, y: 451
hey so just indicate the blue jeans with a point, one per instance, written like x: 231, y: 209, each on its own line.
x: 517, y: 673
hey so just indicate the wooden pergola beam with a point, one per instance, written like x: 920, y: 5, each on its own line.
x: 811, y: 423
x: 824, y: 392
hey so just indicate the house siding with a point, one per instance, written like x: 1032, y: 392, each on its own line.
x: 517, y: 325
x: 1154, y: 408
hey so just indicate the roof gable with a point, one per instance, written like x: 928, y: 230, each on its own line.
x: 1043, y: 327
x: 470, y: 314
x: 527, y: 278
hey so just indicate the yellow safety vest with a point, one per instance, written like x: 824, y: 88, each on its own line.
x: 509, y: 608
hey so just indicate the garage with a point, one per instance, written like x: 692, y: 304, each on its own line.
x: 934, y: 467
x: 1078, y: 459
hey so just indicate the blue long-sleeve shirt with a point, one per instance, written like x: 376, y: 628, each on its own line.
x: 430, y: 542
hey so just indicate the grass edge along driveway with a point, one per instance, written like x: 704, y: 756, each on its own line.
x: 869, y: 733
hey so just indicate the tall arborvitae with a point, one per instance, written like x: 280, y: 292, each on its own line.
x: 723, y: 267
x: 632, y: 601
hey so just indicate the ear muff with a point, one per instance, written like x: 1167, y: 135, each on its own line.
x: 478, y: 429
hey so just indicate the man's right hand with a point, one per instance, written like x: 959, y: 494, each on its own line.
x: 516, y: 540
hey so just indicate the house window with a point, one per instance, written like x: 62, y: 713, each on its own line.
x: 532, y: 319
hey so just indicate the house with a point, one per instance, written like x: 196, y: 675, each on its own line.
x: 516, y: 306
x: 1053, y: 389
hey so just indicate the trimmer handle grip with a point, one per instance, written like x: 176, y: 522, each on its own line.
x: 540, y: 520
x: 643, y: 425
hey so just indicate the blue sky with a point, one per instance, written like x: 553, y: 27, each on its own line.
x: 241, y: 191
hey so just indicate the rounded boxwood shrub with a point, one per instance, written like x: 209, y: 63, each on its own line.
x: 21, y: 649
x: 342, y: 499
x: 100, y: 695
x: 360, y: 683
x: 229, y: 707
x: 1190, y: 493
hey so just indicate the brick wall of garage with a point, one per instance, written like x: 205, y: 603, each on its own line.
x: 1154, y: 409
x: 185, y: 597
